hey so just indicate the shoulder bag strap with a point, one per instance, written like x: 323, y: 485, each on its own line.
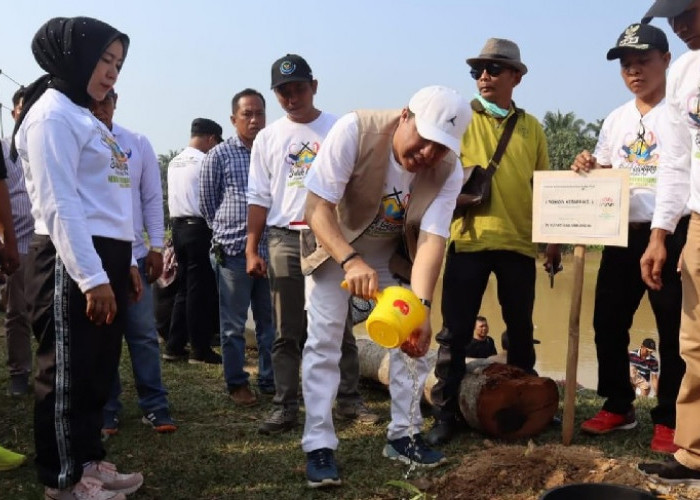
x: 503, y: 142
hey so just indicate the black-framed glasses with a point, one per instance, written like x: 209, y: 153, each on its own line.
x: 492, y: 68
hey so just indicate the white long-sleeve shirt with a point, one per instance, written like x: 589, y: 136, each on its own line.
x: 78, y: 182
x: 146, y: 189
x: 678, y: 180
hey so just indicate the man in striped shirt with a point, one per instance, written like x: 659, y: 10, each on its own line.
x: 223, y: 184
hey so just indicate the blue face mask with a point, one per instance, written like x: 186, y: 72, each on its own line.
x: 491, y: 108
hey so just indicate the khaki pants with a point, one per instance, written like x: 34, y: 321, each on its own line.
x: 688, y: 403
x: 287, y: 288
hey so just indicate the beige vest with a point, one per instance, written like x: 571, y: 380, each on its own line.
x: 363, y: 193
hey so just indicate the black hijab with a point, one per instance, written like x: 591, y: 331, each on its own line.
x: 68, y: 49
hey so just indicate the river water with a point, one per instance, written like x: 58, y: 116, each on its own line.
x: 551, y: 320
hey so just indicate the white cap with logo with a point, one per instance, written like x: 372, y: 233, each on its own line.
x: 441, y: 115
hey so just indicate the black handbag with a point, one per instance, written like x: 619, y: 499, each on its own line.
x: 477, y: 190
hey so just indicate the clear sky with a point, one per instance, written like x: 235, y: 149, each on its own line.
x: 187, y: 59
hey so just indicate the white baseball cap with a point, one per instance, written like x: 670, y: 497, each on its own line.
x: 441, y: 115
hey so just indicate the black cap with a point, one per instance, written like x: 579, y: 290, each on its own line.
x: 640, y: 37
x: 649, y: 344
x: 665, y: 8
x: 290, y: 68
x: 205, y: 126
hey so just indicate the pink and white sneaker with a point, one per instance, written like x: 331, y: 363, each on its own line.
x: 112, y: 479
x: 88, y: 488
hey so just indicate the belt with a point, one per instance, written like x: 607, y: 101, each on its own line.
x: 636, y: 226
x: 189, y: 220
x: 284, y: 229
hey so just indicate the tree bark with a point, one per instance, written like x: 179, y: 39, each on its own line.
x: 500, y: 400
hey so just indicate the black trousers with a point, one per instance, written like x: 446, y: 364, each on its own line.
x: 194, y: 308
x: 76, y: 359
x: 464, y: 282
x: 619, y: 290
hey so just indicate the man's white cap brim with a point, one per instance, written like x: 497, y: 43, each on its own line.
x: 432, y: 133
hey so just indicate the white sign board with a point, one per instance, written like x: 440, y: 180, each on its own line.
x: 581, y: 208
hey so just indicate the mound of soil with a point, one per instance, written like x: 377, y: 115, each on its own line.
x: 508, y: 472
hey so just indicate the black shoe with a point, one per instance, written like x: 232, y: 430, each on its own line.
x: 671, y: 472
x: 19, y: 385
x: 210, y: 358
x: 176, y: 355
x: 268, y: 390
x: 441, y: 432
x: 173, y: 355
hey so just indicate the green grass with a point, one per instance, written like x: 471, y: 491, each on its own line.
x: 217, y: 452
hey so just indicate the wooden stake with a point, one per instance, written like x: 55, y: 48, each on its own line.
x: 572, y: 353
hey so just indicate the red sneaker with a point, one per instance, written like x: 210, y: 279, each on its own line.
x: 662, y: 441
x: 606, y: 421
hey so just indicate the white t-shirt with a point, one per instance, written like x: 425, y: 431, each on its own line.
x: 628, y: 140
x: 679, y: 173
x: 334, y: 166
x: 183, y: 183
x: 77, y: 178
x: 280, y: 159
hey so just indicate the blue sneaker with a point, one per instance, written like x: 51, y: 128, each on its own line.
x: 321, y: 469
x: 416, y: 453
x: 160, y: 420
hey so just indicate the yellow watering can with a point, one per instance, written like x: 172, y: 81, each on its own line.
x: 398, y: 312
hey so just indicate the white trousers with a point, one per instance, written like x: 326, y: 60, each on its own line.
x: 327, y: 306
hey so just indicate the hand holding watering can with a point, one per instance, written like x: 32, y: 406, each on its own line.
x: 399, y: 320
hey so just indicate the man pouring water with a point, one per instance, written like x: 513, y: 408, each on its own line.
x: 358, y: 208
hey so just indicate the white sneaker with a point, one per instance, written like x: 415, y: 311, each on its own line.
x: 113, y: 480
x: 88, y: 488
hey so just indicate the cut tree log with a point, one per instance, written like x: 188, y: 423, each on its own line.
x: 500, y: 400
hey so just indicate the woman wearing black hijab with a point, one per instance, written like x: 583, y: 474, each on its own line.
x: 79, y: 275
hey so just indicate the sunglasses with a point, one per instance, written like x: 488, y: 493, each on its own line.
x: 492, y: 68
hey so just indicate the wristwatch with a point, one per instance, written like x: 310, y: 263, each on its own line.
x: 156, y: 249
x: 426, y: 302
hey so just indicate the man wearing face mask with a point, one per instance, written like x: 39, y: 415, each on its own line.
x: 495, y: 236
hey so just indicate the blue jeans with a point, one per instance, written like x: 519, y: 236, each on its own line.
x: 238, y: 291
x: 142, y: 339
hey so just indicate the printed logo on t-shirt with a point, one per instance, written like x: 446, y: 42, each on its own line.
x: 640, y: 157
x: 300, y: 156
x: 119, y: 162
x: 389, y: 220
x: 693, y: 107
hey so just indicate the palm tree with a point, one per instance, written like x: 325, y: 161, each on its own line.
x: 593, y: 128
x: 558, y: 121
x: 566, y: 137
